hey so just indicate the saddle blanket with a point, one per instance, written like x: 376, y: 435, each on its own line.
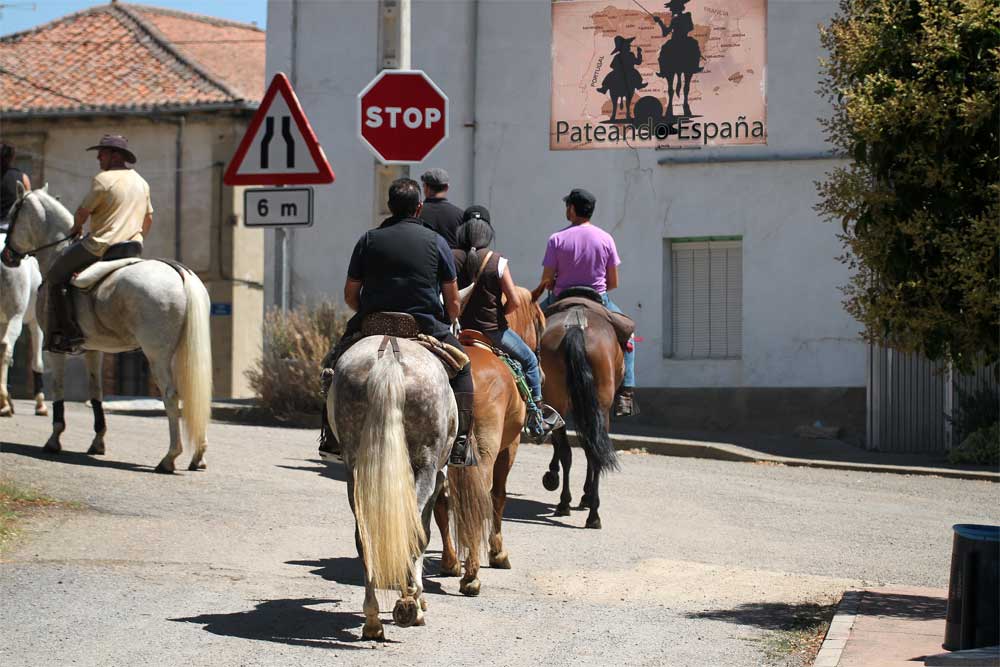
x: 98, y: 271
x: 623, y: 325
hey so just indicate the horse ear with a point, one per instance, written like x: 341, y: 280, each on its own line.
x: 20, y: 191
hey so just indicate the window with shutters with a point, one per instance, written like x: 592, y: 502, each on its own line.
x: 706, y: 297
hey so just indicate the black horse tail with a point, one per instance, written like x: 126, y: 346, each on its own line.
x: 587, y: 413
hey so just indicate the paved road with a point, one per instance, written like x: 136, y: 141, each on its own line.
x: 252, y: 561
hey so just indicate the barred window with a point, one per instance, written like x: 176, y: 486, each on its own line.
x: 706, y: 304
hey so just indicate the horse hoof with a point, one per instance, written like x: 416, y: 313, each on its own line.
x: 583, y: 506
x: 451, y: 569
x: 469, y: 587
x: 164, y: 469
x: 6, y: 411
x: 373, y: 631
x: 197, y: 465
x: 550, y: 481
x: 500, y: 561
x: 52, y: 446
x: 405, y: 612
x: 594, y: 522
x: 41, y: 412
x: 562, y: 510
x: 96, y: 450
x: 423, y: 603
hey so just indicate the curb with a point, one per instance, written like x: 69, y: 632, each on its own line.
x: 718, y: 451
x: 839, y: 631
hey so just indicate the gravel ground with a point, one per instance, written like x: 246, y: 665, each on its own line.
x: 252, y: 562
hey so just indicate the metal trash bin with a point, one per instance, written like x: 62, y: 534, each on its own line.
x: 973, y: 619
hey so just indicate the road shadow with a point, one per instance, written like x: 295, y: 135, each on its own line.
x: 334, y: 470
x: 772, y: 615
x: 289, y: 621
x: 70, y: 458
x: 895, y: 605
x: 526, y: 510
x: 350, y: 572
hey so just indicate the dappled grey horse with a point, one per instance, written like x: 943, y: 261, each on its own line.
x: 395, y: 419
x: 18, y: 287
x: 145, y: 304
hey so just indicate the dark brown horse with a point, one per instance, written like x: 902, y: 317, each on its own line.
x: 583, y: 364
x: 477, y: 495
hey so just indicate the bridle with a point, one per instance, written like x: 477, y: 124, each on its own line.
x: 12, y: 257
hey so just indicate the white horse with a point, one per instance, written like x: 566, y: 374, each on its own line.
x: 147, y: 304
x: 17, y: 309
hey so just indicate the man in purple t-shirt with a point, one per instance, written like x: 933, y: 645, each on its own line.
x: 584, y: 255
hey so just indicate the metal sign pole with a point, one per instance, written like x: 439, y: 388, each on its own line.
x: 394, y: 53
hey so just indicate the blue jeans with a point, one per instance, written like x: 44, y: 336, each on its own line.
x: 514, y: 345
x: 629, y: 380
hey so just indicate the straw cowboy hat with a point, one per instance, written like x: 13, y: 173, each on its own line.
x: 118, y: 143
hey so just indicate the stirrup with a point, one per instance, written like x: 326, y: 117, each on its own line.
x: 463, y: 453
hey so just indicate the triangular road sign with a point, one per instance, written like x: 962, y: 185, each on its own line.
x: 279, y: 147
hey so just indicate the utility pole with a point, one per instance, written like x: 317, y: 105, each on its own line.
x: 283, y: 236
x: 394, y: 41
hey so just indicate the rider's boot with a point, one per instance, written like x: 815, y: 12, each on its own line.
x: 625, y: 403
x: 541, y: 421
x: 463, y: 452
x: 64, y: 334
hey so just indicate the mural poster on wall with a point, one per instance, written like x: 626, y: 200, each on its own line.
x: 643, y: 74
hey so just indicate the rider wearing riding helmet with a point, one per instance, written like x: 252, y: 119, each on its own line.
x: 402, y: 266
x: 485, y: 311
x: 584, y: 255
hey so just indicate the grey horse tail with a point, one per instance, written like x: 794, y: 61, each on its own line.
x: 587, y: 411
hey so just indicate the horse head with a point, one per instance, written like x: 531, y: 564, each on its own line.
x: 37, y: 221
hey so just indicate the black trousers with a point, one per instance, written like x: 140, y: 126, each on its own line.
x: 61, y: 320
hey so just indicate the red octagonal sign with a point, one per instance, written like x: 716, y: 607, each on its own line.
x: 402, y: 116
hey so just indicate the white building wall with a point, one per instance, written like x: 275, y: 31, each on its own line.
x: 795, y: 331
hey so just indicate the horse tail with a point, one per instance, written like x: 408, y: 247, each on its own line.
x: 385, y: 499
x: 587, y: 411
x: 471, y: 504
x: 193, y: 364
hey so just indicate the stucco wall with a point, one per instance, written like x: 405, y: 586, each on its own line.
x: 795, y: 331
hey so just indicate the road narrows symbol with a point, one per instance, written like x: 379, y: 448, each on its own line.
x: 286, y: 134
x: 265, y: 142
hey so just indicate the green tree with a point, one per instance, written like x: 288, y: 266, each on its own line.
x: 914, y: 86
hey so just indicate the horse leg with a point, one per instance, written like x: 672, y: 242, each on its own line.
x: 687, y: 88
x: 614, y: 107
x: 628, y: 107
x: 37, y: 367
x: 550, y: 480
x: 670, y: 95
x: 450, y: 567
x: 593, y: 519
x: 409, y: 608
x: 501, y: 469
x: 13, y: 331
x: 587, y: 487
x: 58, y: 363
x: 373, y: 625
x: 561, y: 442
x: 162, y: 371
x: 94, y: 363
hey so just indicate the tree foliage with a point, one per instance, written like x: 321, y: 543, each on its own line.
x: 915, y: 86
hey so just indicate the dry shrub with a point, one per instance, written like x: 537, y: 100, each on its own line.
x: 286, y: 377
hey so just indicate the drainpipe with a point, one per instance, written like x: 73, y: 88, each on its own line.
x: 178, y: 180
x: 472, y: 85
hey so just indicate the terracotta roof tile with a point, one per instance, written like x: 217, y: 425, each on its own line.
x: 127, y: 57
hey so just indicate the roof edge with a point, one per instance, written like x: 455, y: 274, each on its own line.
x: 97, y: 9
x: 164, y: 43
x: 236, y: 105
x: 214, y: 20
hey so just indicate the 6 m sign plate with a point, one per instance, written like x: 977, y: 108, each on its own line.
x: 278, y: 207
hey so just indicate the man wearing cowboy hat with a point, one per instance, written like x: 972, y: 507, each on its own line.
x: 120, y: 211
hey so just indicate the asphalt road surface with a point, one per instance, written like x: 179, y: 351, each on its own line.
x: 252, y: 561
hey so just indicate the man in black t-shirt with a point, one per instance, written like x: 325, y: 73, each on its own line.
x: 404, y: 267
x: 438, y: 213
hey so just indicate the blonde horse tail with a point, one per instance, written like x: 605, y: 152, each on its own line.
x: 385, y: 498
x: 193, y: 366
x: 471, y: 504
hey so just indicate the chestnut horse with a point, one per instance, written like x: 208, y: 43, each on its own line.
x: 583, y: 364
x: 477, y: 495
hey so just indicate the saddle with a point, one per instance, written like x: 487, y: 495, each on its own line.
x: 590, y: 299
x: 473, y: 338
x: 403, y: 325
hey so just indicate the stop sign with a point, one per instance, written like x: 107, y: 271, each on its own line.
x: 402, y: 116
